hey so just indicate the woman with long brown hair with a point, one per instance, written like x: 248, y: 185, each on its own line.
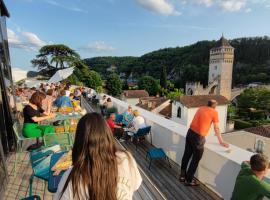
x: 100, y: 170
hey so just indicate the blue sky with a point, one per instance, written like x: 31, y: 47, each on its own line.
x: 128, y: 27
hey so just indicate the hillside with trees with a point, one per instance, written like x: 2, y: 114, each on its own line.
x: 190, y: 63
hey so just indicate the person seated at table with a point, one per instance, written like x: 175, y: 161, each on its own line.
x: 33, y: 114
x: 108, y: 104
x: 63, y: 100
x: 77, y: 94
x: 117, y: 129
x: 127, y: 116
x: 137, y: 122
x: 100, y: 171
x: 47, y: 102
x: 249, y: 183
x: 101, y: 104
x: 67, y: 89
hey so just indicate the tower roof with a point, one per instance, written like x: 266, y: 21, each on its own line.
x: 223, y: 42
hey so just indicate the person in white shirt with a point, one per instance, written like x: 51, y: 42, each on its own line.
x: 137, y: 123
x: 100, y: 170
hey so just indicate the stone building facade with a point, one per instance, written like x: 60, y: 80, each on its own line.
x: 220, y: 72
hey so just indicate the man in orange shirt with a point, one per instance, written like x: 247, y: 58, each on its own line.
x: 195, y: 140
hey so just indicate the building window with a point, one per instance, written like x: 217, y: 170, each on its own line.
x: 215, y: 67
x: 179, y: 110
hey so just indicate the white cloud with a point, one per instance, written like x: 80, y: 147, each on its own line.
x: 98, y: 47
x: 163, y: 7
x: 24, y: 40
x: 232, y: 5
x: 225, y: 5
x: 33, y: 39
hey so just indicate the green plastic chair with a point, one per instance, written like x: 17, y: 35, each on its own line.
x: 63, y: 139
x: 17, y: 128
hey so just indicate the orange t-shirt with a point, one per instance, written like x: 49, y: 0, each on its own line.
x: 203, y: 119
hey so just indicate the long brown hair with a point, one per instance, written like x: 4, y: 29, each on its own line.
x: 37, y: 98
x: 94, y: 173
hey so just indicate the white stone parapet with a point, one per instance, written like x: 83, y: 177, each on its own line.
x: 218, y: 168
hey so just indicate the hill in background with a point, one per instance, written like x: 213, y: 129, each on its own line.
x: 190, y: 63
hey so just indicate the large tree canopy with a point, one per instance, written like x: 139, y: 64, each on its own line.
x: 149, y: 84
x: 54, y: 57
x: 114, y: 85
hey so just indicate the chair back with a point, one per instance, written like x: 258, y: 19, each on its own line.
x: 63, y: 139
x: 17, y: 130
x: 119, y: 118
x: 111, y: 110
x: 143, y: 131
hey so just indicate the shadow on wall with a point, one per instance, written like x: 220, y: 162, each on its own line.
x: 224, y: 180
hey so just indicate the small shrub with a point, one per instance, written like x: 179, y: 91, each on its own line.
x: 240, y: 124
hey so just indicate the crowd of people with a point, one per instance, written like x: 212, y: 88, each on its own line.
x: 101, y: 170
x: 37, y: 105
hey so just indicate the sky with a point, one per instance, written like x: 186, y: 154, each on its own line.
x: 127, y: 27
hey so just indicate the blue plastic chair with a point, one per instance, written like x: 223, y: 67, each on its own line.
x: 119, y: 118
x: 141, y: 133
x: 40, y: 161
x: 156, y: 153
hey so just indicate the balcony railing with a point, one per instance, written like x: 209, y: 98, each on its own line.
x: 218, y: 168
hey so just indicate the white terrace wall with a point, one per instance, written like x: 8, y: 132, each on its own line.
x: 218, y: 168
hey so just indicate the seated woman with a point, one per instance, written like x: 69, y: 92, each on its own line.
x: 127, y: 116
x: 100, y: 170
x: 63, y: 100
x: 33, y: 114
x: 47, y: 102
x: 116, y: 129
x: 137, y: 123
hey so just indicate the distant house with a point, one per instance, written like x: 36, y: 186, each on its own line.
x: 133, y: 96
x: 112, y: 68
x: 257, y: 139
x: 154, y: 104
x: 185, y: 107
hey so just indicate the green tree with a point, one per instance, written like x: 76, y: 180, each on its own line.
x: 149, y: 84
x: 163, y: 78
x: 54, y: 57
x: 258, y: 98
x: 114, y: 85
x: 176, y: 93
x: 93, y: 80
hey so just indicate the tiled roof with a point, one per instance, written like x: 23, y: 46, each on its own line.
x: 135, y: 93
x: 260, y: 130
x: 167, y: 111
x: 153, y: 101
x: 201, y: 100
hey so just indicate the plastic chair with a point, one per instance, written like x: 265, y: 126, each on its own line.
x: 156, y: 153
x: 119, y: 118
x: 34, y: 197
x: 40, y: 163
x: 17, y: 128
x: 63, y: 139
x: 141, y: 133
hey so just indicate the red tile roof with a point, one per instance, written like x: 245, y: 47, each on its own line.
x: 153, y: 101
x: 260, y: 130
x: 167, y: 111
x: 201, y: 100
x: 135, y: 93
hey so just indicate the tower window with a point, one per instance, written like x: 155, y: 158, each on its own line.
x: 179, y: 110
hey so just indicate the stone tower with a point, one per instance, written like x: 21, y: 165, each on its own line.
x: 220, y: 68
x: 220, y: 72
